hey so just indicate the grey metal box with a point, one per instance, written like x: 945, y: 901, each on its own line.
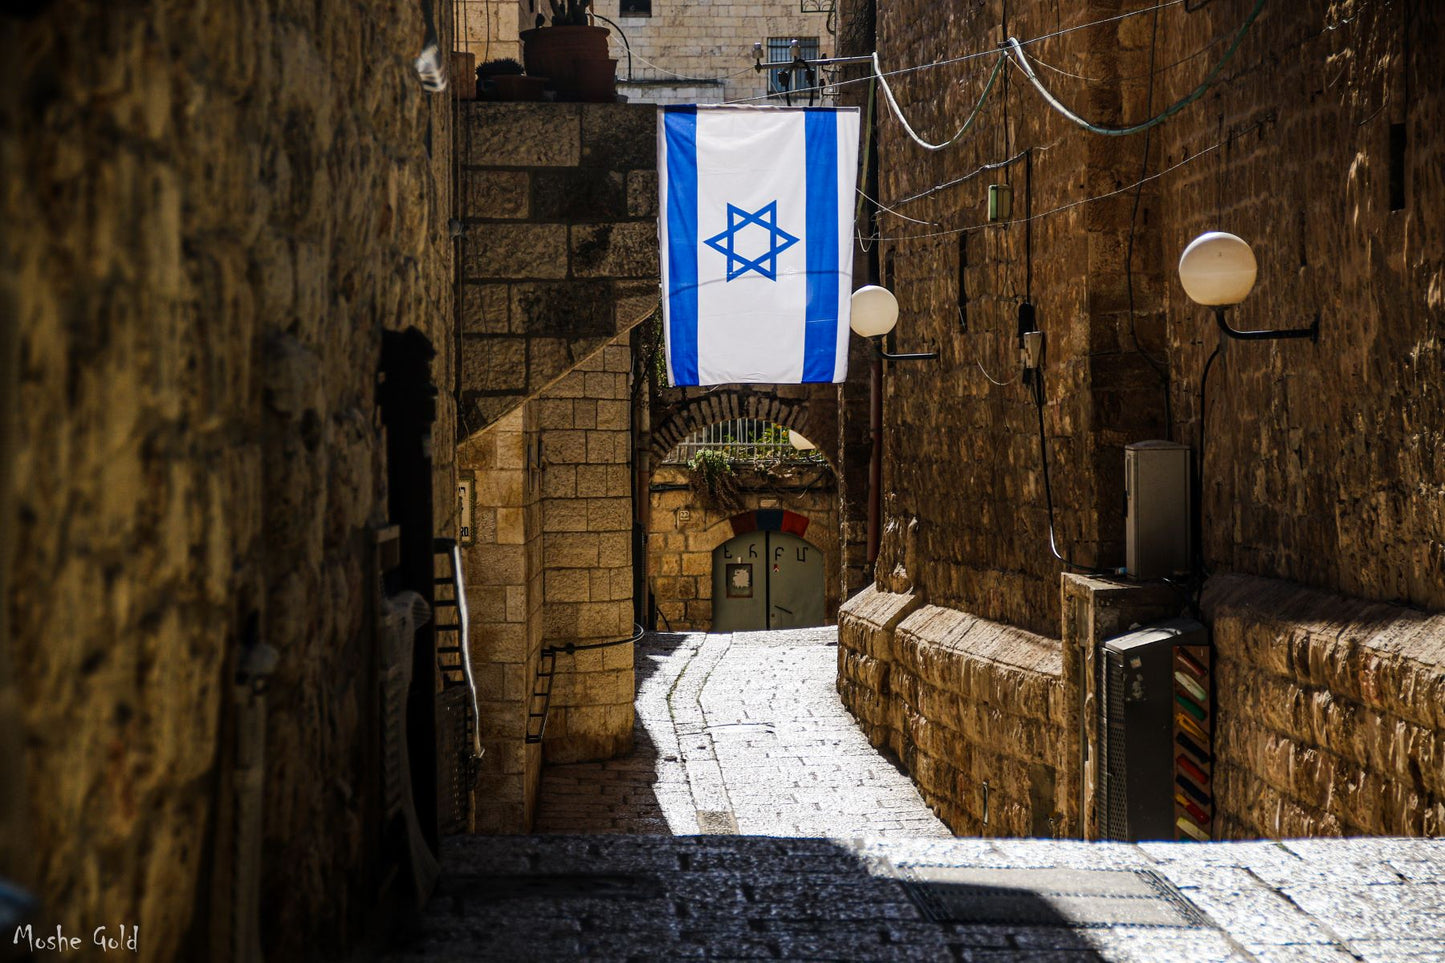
x: 1137, y: 775
x: 1157, y: 484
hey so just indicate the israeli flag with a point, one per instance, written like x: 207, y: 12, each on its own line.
x: 756, y: 230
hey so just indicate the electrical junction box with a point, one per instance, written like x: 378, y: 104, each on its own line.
x: 1156, y: 734
x: 1157, y: 496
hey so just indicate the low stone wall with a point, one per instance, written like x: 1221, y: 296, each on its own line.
x: 1331, y: 714
x: 974, y: 710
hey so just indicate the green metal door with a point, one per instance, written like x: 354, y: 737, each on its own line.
x: 766, y: 580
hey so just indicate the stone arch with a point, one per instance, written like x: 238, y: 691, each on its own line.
x: 810, y: 410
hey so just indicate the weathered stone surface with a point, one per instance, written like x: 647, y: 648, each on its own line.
x: 573, y: 263
x: 212, y: 213
x: 1331, y: 712
x: 974, y: 709
x: 522, y: 135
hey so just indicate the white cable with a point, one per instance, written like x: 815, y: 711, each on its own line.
x: 908, y: 128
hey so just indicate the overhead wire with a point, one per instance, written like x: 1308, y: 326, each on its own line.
x: 974, y: 55
x: 1056, y: 210
x: 908, y: 128
x: 1016, y: 48
x: 1159, y: 369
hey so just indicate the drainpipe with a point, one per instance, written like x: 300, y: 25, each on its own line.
x: 257, y: 662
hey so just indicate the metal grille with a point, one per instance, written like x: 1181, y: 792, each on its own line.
x: 1115, y: 821
x: 743, y: 440
x: 456, y: 773
x: 780, y: 52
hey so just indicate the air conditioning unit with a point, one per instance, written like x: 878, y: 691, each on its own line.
x: 1156, y: 734
x: 1157, y: 484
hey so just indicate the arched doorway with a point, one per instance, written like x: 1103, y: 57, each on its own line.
x: 766, y: 580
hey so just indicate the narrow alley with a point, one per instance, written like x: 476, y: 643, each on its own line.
x: 753, y: 820
x: 738, y: 733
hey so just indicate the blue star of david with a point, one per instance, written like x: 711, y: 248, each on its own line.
x: 766, y: 263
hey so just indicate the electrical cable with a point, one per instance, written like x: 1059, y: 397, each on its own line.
x: 996, y: 165
x: 1062, y: 207
x: 888, y: 210
x: 1037, y: 390
x: 1017, y: 49
x: 986, y: 53
x: 1199, y: 470
x: 1162, y: 371
x: 908, y: 128
x: 991, y: 378
x: 1129, y: 78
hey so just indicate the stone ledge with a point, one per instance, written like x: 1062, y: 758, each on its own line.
x: 1331, y: 711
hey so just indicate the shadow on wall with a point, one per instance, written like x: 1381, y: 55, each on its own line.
x: 575, y: 798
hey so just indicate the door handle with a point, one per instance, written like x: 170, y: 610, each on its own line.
x: 781, y: 609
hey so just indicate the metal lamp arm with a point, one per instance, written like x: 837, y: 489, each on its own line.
x: 909, y: 356
x: 1312, y: 332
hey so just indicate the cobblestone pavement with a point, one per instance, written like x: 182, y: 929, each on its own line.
x: 739, y: 733
x: 791, y: 839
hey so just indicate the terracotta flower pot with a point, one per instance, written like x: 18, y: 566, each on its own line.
x: 565, y: 55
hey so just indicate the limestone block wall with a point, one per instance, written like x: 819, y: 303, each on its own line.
x: 212, y: 213
x: 559, y: 254
x: 685, y: 529
x: 1331, y: 713
x: 974, y: 710
x: 701, y: 41
x: 487, y: 29
x: 586, y: 446
x: 551, y: 564
x: 1325, y: 463
x: 504, y: 605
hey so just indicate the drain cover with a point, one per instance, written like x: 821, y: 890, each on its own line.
x: 1048, y: 897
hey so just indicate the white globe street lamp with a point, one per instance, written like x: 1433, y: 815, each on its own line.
x: 873, y: 312
x: 1217, y: 271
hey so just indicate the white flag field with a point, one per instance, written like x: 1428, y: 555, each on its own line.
x: 756, y: 228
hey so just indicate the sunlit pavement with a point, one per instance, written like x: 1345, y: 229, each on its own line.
x: 754, y: 821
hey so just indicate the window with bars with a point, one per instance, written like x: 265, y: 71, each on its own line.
x: 781, y: 79
x: 634, y: 8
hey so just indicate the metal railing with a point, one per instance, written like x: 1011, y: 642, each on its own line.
x: 745, y: 440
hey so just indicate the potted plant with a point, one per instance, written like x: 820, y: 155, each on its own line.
x: 571, y: 53
x: 503, y: 79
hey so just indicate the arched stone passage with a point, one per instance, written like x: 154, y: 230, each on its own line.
x: 811, y: 410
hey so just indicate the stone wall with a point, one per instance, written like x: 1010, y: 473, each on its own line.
x: 973, y: 709
x: 586, y: 444
x: 504, y: 575
x: 212, y: 212
x: 1331, y: 713
x: 551, y: 564
x: 1325, y: 463
x: 559, y: 255
x: 1341, y: 491
x: 713, y: 42
x: 684, y: 529
x: 1321, y: 463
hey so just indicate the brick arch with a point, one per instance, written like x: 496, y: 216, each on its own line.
x: 697, y: 409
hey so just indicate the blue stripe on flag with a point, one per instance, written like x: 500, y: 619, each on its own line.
x: 820, y: 335
x: 680, y: 132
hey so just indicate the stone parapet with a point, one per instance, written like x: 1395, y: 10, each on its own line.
x: 866, y: 626
x: 974, y: 709
x: 1331, y: 715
